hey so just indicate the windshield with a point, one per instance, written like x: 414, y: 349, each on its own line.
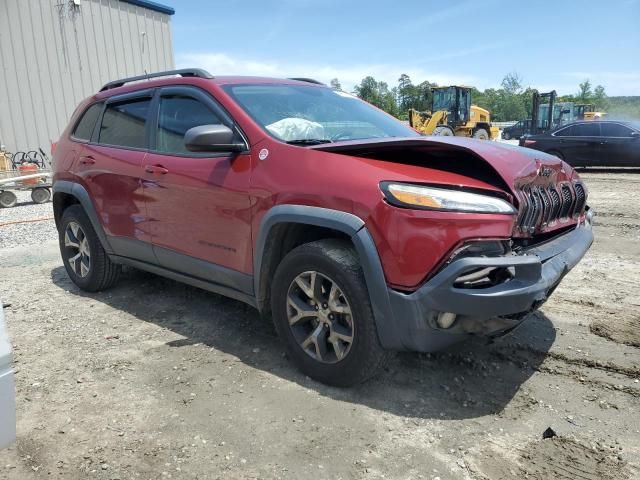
x: 307, y: 114
x: 443, y: 99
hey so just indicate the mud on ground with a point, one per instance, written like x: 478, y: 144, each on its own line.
x: 154, y: 379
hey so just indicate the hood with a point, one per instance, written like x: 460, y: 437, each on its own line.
x: 546, y: 190
x: 502, y: 165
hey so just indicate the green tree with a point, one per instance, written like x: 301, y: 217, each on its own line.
x: 368, y: 90
x: 512, y: 83
x: 600, y: 100
x: 406, y: 92
x: 335, y: 84
x: 585, y: 93
x: 423, y: 95
x: 378, y: 94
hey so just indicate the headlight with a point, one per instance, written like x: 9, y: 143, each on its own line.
x: 432, y: 198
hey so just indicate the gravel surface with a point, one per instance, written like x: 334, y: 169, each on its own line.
x: 32, y: 233
x: 154, y: 379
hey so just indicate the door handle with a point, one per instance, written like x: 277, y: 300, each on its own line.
x: 156, y: 169
x: 87, y: 160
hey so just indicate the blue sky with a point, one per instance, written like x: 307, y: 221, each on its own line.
x: 550, y: 44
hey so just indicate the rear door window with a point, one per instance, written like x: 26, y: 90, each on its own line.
x: 124, y: 123
x: 176, y: 115
x: 615, y: 130
x: 87, y: 123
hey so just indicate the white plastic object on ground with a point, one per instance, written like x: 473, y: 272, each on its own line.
x: 7, y: 389
x: 292, y: 128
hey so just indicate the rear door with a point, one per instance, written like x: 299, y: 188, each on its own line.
x: 620, y: 147
x: 111, y: 167
x: 198, y: 203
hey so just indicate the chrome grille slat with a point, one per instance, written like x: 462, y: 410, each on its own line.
x: 545, y: 205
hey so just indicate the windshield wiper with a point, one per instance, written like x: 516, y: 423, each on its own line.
x: 309, y: 141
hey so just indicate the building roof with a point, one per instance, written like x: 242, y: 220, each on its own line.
x: 151, y: 6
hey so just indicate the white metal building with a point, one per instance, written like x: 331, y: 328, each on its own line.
x: 54, y: 53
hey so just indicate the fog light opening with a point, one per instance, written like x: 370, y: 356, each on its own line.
x: 446, y: 319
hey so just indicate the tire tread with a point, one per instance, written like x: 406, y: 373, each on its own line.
x: 105, y: 272
x: 342, y: 254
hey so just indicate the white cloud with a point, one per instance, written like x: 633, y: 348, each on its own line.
x: 349, y: 76
x: 615, y: 83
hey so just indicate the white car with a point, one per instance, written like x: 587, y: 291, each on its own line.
x: 7, y: 390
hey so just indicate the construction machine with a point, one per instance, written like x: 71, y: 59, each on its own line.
x: 452, y: 114
x: 587, y: 111
x: 547, y: 113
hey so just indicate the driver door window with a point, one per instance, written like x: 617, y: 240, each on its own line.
x: 176, y: 115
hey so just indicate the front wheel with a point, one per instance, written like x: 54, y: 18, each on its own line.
x: 322, y: 312
x: 86, y: 262
x: 506, y: 136
x: 481, y: 134
x: 443, y: 131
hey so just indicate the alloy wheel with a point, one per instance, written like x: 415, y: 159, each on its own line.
x: 77, y: 249
x: 320, y: 317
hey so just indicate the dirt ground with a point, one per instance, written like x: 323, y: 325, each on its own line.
x: 154, y: 379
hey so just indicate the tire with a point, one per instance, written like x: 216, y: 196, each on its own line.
x: 8, y: 199
x: 40, y: 195
x: 334, y: 263
x: 443, y: 131
x: 481, y: 134
x: 92, y: 270
x: 556, y: 154
x: 506, y: 136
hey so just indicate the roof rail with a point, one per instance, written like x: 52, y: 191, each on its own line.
x: 308, y: 80
x: 184, y: 72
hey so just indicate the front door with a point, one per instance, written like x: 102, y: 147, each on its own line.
x: 197, y: 203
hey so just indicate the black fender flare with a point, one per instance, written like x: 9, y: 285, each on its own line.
x: 354, y: 227
x: 80, y: 193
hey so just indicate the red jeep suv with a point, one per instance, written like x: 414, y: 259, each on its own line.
x: 354, y: 233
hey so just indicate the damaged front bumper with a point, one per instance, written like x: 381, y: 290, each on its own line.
x: 441, y: 313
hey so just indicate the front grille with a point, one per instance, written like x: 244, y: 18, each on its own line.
x: 543, y: 206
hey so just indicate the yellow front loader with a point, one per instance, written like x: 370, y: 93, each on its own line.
x: 586, y: 111
x: 452, y: 114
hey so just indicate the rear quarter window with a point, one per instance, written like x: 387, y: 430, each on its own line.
x: 84, y: 128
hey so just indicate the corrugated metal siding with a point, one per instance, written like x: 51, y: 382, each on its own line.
x: 54, y: 54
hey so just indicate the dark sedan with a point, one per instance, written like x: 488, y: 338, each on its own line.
x: 591, y: 143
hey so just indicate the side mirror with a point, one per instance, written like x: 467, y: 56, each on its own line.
x: 635, y: 135
x: 212, y: 138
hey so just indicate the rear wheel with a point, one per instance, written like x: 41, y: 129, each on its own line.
x: 443, y: 131
x: 40, y: 195
x: 322, y: 312
x: 8, y: 199
x: 86, y: 262
x: 481, y: 134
